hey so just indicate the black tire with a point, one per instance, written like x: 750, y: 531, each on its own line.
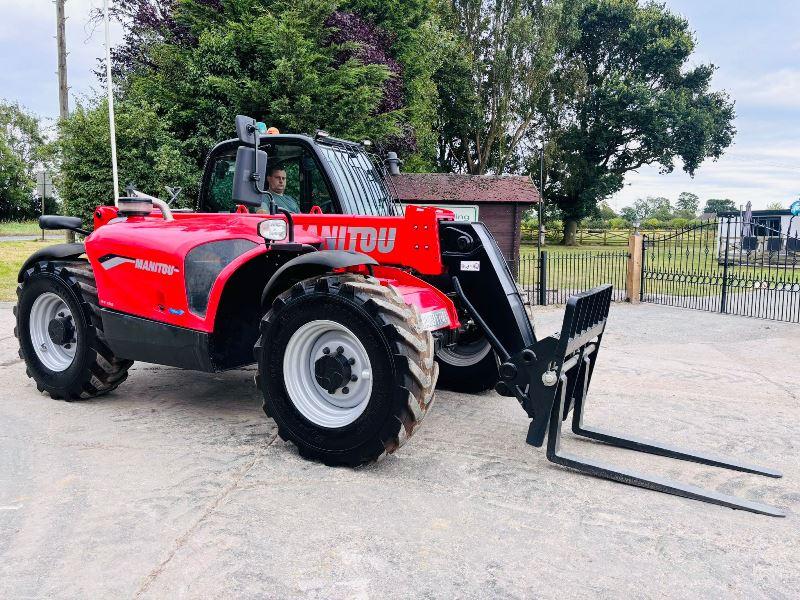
x: 401, y: 354
x: 459, y: 372
x: 94, y: 370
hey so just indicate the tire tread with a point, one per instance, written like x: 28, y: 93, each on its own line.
x: 105, y: 372
x: 412, y: 352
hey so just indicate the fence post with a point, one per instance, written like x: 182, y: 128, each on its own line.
x: 633, y: 279
x: 723, y: 304
x: 543, y: 278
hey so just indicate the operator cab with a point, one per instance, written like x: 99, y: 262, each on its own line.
x: 322, y: 174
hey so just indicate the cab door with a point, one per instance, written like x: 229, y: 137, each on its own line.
x: 306, y: 181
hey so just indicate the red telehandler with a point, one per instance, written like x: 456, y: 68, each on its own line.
x: 344, y: 303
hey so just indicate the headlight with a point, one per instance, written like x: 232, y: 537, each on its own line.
x: 272, y: 229
x: 434, y: 319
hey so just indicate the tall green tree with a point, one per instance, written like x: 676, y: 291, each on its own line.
x: 648, y: 208
x: 271, y: 60
x: 359, y: 69
x: 21, y: 150
x: 149, y: 157
x: 412, y: 37
x: 687, y: 204
x: 718, y: 205
x: 494, y: 76
x: 624, y: 96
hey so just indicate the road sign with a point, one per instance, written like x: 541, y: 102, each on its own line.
x: 44, y: 184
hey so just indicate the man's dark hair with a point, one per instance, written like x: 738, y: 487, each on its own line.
x: 275, y: 167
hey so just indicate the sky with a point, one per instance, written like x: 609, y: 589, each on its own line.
x: 755, y: 45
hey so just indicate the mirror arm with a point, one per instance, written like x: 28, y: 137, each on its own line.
x: 254, y: 175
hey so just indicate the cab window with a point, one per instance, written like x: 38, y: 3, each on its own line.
x: 305, y: 186
x: 219, y: 197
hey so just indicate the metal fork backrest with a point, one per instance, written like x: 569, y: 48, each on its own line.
x: 585, y: 318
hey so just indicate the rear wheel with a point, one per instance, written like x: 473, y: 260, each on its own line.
x: 345, y: 369
x: 469, y: 366
x: 61, y: 335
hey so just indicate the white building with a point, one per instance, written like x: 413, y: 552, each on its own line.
x: 767, y: 231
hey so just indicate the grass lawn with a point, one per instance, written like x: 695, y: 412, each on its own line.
x: 12, y: 255
x: 682, y: 269
x: 20, y: 228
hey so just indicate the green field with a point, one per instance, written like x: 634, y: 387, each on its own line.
x: 19, y: 228
x: 12, y: 255
x: 679, y: 269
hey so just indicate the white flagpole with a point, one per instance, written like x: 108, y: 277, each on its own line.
x: 110, y: 86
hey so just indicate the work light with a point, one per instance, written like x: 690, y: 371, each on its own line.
x: 272, y: 229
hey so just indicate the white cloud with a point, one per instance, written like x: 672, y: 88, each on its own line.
x: 777, y: 89
x: 755, y: 176
x: 28, y: 51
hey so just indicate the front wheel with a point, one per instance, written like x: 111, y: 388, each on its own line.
x: 346, y: 371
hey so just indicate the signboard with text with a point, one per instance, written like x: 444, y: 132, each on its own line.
x: 463, y: 212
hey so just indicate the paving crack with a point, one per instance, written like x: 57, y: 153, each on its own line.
x: 181, y: 541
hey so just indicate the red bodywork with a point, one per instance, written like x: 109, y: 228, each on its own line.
x: 148, y: 279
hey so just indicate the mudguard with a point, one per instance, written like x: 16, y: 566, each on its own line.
x: 310, y: 264
x: 56, y: 252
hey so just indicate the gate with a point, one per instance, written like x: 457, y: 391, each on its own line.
x: 553, y: 277
x: 728, y: 265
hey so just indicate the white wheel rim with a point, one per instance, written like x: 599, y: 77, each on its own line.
x: 464, y: 355
x: 315, y: 403
x: 56, y: 357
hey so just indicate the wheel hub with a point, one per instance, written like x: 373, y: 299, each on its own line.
x: 332, y: 370
x: 53, y: 333
x: 61, y: 330
x: 327, y: 373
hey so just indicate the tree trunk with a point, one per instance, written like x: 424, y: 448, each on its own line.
x: 570, y: 232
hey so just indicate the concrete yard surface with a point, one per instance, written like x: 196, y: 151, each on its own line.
x: 175, y: 485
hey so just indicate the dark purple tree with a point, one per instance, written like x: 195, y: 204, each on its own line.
x: 370, y: 44
x: 372, y: 47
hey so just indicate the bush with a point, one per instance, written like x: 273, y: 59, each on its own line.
x: 148, y: 157
x: 21, y: 147
x: 652, y: 224
x: 596, y: 223
x: 678, y: 223
x: 619, y: 223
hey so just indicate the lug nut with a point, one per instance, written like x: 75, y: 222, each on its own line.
x: 345, y: 390
x: 340, y: 350
x: 326, y: 350
x: 67, y: 346
x: 352, y: 361
x: 353, y: 378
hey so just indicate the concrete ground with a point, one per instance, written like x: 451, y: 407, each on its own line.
x: 175, y: 486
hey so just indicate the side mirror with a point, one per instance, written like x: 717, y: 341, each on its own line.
x: 247, y: 189
x: 247, y: 130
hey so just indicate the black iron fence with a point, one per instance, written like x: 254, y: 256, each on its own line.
x: 729, y: 265
x: 551, y: 277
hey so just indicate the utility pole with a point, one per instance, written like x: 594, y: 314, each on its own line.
x: 63, y: 90
x: 541, y: 232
